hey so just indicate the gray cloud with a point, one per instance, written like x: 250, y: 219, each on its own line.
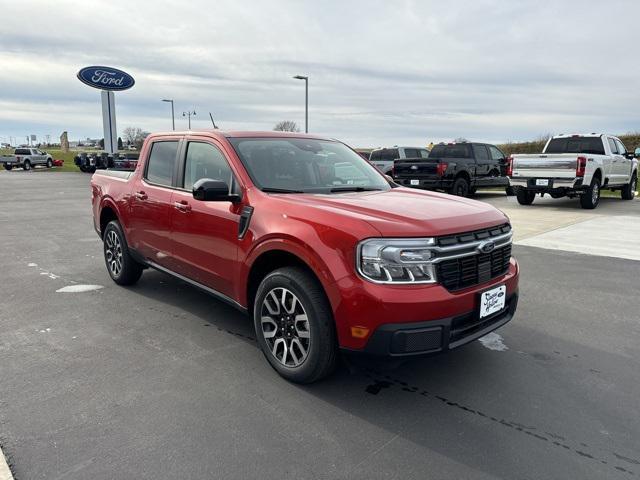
x: 380, y: 72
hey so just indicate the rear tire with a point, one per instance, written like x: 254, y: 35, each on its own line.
x: 294, y: 325
x: 122, y: 268
x: 49, y: 163
x: 629, y: 190
x: 7, y: 166
x: 26, y: 165
x: 460, y: 187
x: 591, y: 196
x: 524, y: 196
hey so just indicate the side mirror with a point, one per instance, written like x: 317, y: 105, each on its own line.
x: 209, y: 190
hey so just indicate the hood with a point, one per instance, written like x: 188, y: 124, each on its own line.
x: 405, y: 211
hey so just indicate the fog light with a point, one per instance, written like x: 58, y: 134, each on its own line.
x: 359, y: 332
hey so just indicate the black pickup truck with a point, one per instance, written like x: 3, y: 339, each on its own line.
x: 457, y: 168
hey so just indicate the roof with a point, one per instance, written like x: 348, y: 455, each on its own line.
x: 240, y: 134
x: 592, y: 134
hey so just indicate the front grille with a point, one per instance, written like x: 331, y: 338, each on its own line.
x: 459, y: 273
x: 462, y: 238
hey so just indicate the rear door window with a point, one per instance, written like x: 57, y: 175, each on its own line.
x: 162, y: 162
x: 480, y: 152
x: 384, y: 154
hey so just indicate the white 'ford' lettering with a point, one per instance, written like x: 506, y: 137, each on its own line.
x: 107, y: 78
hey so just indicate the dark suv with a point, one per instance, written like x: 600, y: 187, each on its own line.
x: 458, y: 168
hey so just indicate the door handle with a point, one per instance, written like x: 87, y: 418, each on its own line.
x: 141, y: 195
x: 182, y: 205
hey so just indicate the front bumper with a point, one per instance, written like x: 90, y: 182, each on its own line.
x: 385, y: 310
x: 436, y: 336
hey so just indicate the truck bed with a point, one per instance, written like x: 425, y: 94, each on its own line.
x: 118, y: 174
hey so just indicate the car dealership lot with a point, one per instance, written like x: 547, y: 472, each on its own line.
x: 161, y: 381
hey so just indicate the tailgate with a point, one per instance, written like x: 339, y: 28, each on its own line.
x: 547, y: 166
x: 415, y: 168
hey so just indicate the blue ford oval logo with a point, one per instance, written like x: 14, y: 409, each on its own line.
x: 486, y: 247
x: 106, y: 78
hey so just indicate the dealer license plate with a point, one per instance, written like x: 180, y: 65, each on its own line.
x: 415, y: 182
x: 542, y: 182
x: 492, y: 301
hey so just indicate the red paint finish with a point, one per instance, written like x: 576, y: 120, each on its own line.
x: 199, y: 240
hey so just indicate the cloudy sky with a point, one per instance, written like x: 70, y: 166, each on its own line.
x: 381, y: 72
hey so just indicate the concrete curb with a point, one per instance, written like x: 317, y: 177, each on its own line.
x: 5, y: 473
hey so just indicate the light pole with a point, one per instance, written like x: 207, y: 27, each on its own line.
x: 173, y: 117
x: 306, y: 101
x: 188, y: 114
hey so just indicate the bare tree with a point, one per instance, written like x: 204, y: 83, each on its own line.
x: 461, y: 140
x: 134, y: 136
x: 286, y: 126
x: 130, y: 134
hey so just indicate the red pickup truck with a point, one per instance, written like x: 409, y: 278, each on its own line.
x: 302, y: 233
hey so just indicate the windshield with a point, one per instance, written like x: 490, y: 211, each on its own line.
x: 300, y: 165
x: 592, y: 145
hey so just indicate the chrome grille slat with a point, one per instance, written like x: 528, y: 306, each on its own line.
x: 460, y: 265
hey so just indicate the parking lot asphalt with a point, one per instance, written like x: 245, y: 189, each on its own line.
x: 160, y: 380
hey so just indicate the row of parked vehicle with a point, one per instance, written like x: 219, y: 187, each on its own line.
x: 90, y: 162
x: 569, y: 165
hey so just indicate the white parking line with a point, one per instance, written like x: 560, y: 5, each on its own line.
x: 5, y: 473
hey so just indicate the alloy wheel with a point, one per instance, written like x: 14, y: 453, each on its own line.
x: 595, y: 193
x: 285, y: 327
x: 113, y: 253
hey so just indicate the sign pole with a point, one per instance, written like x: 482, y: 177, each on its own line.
x: 109, y: 121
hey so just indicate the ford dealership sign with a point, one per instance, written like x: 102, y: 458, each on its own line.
x: 106, y: 78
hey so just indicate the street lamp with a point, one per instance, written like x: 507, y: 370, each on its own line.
x: 188, y: 114
x: 306, y: 101
x: 173, y: 118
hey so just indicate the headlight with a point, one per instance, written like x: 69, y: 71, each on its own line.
x: 398, y: 260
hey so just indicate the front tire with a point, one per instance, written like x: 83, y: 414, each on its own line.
x: 629, y: 190
x: 591, y: 196
x: 49, y: 163
x: 460, y: 187
x: 122, y: 268
x: 7, y: 166
x: 524, y: 196
x: 26, y: 165
x: 294, y: 325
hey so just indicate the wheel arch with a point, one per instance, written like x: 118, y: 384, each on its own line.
x: 281, y: 254
x: 108, y: 212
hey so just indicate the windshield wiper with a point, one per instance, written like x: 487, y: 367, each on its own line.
x: 354, y: 189
x: 280, y: 190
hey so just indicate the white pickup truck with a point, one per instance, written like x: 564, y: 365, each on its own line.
x: 575, y: 166
x: 27, y: 158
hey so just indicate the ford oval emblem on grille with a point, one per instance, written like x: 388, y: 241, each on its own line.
x: 414, y: 167
x: 486, y: 247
